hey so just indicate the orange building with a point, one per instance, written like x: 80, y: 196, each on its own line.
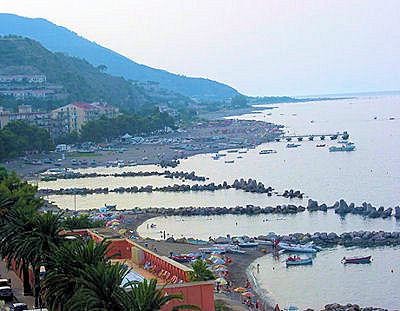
x: 166, y: 270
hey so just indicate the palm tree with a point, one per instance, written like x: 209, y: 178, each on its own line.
x: 64, y: 267
x: 144, y: 296
x: 200, y: 272
x: 99, y: 289
x: 17, y: 222
x: 5, y: 205
x: 29, y: 238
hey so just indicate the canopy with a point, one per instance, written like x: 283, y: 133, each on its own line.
x: 222, y: 269
x: 221, y: 281
x: 240, y: 289
x: 220, y: 266
x: 248, y: 294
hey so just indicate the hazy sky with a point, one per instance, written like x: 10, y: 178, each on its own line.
x: 259, y: 47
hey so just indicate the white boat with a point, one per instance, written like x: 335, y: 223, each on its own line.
x: 267, y: 151
x: 248, y: 244
x: 297, y: 248
x: 292, y: 145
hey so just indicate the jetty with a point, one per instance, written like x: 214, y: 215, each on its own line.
x: 343, y: 135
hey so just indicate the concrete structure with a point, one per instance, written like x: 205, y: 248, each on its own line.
x: 164, y: 269
x: 80, y: 113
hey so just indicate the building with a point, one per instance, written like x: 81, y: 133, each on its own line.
x: 28, y: 93
x: 22, y: 78
x: 80, y: 113
x: 174, y: 274
x: 56, y: 126
x: 169, y: 273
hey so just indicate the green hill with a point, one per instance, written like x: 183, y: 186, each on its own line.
x: 81, y: 80
x: 60, y: 39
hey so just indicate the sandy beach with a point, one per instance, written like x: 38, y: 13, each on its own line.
x: 238, y: 269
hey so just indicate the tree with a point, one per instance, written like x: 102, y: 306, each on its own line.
x: 144, y: 296
x: 200, y: 272
x: 239, y: 101
x: 29, y: 239
x: 81, y: 222
x: 64, y: 269
x: 102, y: 68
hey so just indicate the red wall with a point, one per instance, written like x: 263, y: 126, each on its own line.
x: 201, y: 295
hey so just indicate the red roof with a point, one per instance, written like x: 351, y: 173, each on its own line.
x: 84, y: 106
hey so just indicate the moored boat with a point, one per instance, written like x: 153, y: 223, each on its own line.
x: 297, y: 261
x: 297, y: 248
x: 267, y: 151
x: 366, y: 259
x: 248, y: 244
x: 292, y: 145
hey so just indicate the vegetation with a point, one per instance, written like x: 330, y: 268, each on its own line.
x: 83, y: 155
x: 200, y: 271
x: 19, y: 136
x: 79, y: 274
x: 69, y: 42
x: 81, y: 222
x: 134, y: 124
x: 80, y: 80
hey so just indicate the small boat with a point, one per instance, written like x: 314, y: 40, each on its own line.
x: 366, y: 259
x: 182, y: 258
x: 297, y: 248
x: 321, y: 145
x: 233, y: 151
x: 244, y: 151
x: 297, y: 261
x: 239, y: 157
x: 248, y: 244
x: 267, y: 151
x: 229, y: 161
x: 215, y: 157
x: 345, y: 147
x: 292, y: 145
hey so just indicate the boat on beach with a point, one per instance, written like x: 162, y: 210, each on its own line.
x: 292, y: 145
x: 297, y: 248
x: 344, y: 147
x: 229, y: 161
x: 248, y: 244
x: 183, y: 258
x: 366, y: 259
x: 297, y: 261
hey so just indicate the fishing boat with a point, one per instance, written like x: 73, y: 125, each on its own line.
x: 182, y: 258
x: 229, y: 161
x: 248, y: 244
x: 297, y: 261
x: 233, y: 150
x: 244, y: 151
x: 366, y: 259
x: 292, y: 145
x: 267, y: 151
x: 321, y: 145
x: 297, y: 248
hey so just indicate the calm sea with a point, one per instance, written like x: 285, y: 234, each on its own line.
x: 371, y: 174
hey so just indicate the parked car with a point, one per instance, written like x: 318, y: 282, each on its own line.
x: 19, y: 306
x: 6, y: 293
x: 5, y: 282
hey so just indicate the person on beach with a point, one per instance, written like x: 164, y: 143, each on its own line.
x: 258, y: 268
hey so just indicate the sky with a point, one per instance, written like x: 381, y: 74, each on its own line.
x: 259, y: 47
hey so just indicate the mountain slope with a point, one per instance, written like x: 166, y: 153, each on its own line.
x: 81, y: 80
x: 56, y: 38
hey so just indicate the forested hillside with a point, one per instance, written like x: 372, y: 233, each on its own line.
x: 60, y: 39
x: 81, y: 80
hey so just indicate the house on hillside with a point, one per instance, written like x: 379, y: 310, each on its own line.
x: 80, y: 113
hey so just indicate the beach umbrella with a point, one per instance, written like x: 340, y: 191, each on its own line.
x: 248, y: 294
x: 240, y: 289
x: 221, y: 281
x: 222, y: 269
x: 218, y: 261
x: 220, y: 266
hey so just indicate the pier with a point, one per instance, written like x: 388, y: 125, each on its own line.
x: 311, y: 137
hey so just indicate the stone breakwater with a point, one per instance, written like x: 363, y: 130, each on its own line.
x: 366, y: 209
x: 249, y: 186
x: 167, y: 174
x: 348, y: 307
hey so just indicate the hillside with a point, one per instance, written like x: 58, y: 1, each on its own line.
x: 81, y: 80
x: 60, y: 39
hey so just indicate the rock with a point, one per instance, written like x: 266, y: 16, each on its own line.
x: 387, y: 212
x: 397, y: 212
